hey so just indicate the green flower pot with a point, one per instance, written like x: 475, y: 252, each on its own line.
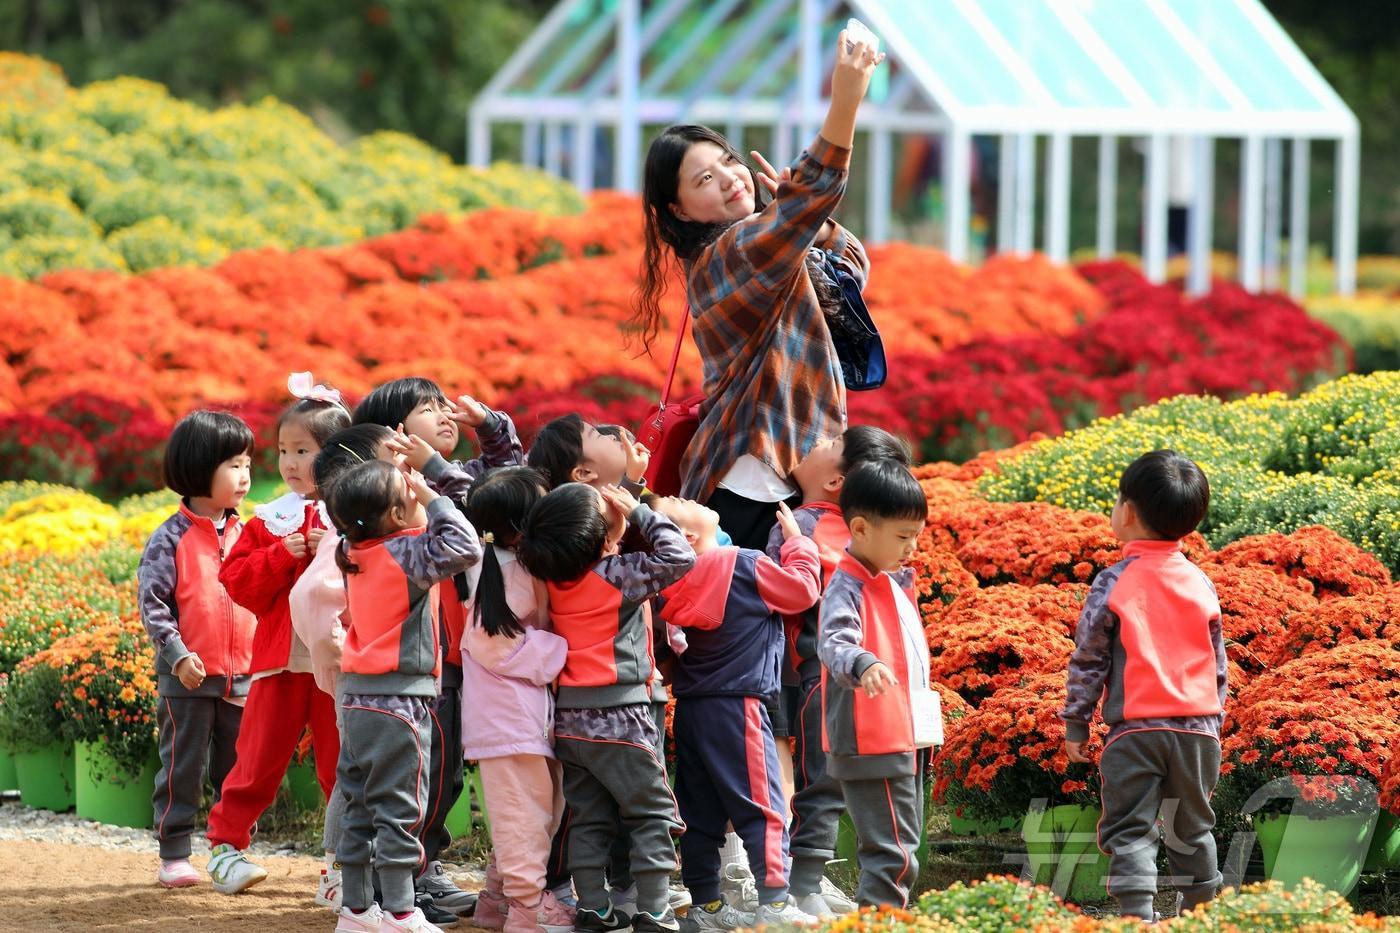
x: 108, y: 794
x: 1330, y: 850
x: 303, y: 785
x: 1063, y: 852
x: 1384, y: 854
x: 46, y: 777
x: 9, y: 780
x: 968, y: 826
x: 470, y: 807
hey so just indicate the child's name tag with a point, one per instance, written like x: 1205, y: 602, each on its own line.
x: 927, y: 707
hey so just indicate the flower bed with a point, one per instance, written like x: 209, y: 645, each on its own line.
x: 120, y: 175
x: 1275, y: 465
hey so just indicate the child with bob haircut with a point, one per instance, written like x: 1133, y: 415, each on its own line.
x: 203, y: 641
x: 881, y: 714
x: 1149, y: 646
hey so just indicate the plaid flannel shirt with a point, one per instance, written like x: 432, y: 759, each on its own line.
x: 772, y: 380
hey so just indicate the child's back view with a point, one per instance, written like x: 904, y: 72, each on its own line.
x: 604, y: 731
x: 1149, y: 644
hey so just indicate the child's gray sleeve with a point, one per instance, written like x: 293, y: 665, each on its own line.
x: 839, y: 646
x: 449, y: 546
x: 640, y: 575
x: 1089, y: 666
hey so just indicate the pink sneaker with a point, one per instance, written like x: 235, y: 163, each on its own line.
x: 547, y: 915
x: 177, y: 873
x: 491, y: 905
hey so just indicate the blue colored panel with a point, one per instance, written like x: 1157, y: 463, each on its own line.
x: 954, y: 51
x: 1245, y: 55
x: 1053, y: 54
x: 1160, y: 65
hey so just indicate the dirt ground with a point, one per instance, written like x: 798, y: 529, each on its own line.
x: 56, y: 888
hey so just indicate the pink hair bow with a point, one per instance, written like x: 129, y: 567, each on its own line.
x: 301, y: 386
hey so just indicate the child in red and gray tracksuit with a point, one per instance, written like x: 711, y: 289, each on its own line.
x: 881, y: 714
x: 726, y: 758
x: 1149, y: 644
x: 400, y: 541
x: 605, y: 734
x: 203, y: 640
x: 817, y: 802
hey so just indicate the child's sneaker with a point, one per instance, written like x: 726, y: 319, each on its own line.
x: 432, y: 912
x: 546, y: 916
x: 177, y: 873
x: 564, y: 894
x: 835, y: 898
x: 817, y: 906
x: 737, y: 887
x: 446, y: 894
x: 784, y: 914
x: 610, y: 920
x: 679, y: 899
x: 413, y: 923
x: 491, y: 906
x: 231, y: 871
x: 720, y: 916
x: 328, y: 889
x: 367, y: 922
x: 645, y: 922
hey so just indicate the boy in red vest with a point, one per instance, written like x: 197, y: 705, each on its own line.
x: 881, y: 716
x: 1149, y: 644
x: 817, y: 803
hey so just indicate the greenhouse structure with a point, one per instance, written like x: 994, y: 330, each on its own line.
x: 1174, y: 76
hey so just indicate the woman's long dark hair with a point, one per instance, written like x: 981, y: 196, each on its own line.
x: 660, y: 182
x: 497, y: 507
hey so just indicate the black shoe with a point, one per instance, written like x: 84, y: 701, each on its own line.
x: 435, y: 914
x: 612, y: 921
x: 643, y: 922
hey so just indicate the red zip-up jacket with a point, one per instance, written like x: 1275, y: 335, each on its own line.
x: 867, y: 737
x: 186, y: 610
x: 392, y: 646
x: 604, y: 616
x: 258, y: 574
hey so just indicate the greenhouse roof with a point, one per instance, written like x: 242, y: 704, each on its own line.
x: 1217, y: 67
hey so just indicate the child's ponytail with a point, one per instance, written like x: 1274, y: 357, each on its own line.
x: 497, y: 507
x: 492, y: 610
x: 342, y: 557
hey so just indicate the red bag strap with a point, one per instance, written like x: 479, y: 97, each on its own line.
x: 675, y: 358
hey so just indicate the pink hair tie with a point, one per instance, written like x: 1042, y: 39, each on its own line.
x: 301, y: 386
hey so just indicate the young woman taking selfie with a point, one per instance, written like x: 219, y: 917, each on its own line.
x: 758, y: 298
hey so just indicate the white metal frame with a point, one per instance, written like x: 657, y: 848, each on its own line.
x: 617, y: 96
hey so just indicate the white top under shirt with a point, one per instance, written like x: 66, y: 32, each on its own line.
x: 753, y: 479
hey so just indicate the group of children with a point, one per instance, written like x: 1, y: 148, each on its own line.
x: 527, y: 613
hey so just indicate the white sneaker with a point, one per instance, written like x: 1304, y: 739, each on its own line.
x: 835, y: 898
x: 817, y: 906
x: 679, y: 898
x: 367, y: 922
x: 625, y: 899
x: 446, y: 894
x: 413, y: 923
x: 738, y: 888
x: 728, y: 917
x: 231, y: 871
x: 784, y: 914
x: 176, y: 873
x: 328, y: 890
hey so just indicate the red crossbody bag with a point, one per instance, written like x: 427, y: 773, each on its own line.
x: 668, y: 430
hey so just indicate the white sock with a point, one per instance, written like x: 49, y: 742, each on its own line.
x: 732, y: 852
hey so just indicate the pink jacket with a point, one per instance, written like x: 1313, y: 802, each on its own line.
x: 509, y: 709
x: 320, y: 614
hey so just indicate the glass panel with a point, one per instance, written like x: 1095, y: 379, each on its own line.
x: 1054, y: 55
x: 1245, y: 55
x: 1161, y: 66
x: 956, y: 53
